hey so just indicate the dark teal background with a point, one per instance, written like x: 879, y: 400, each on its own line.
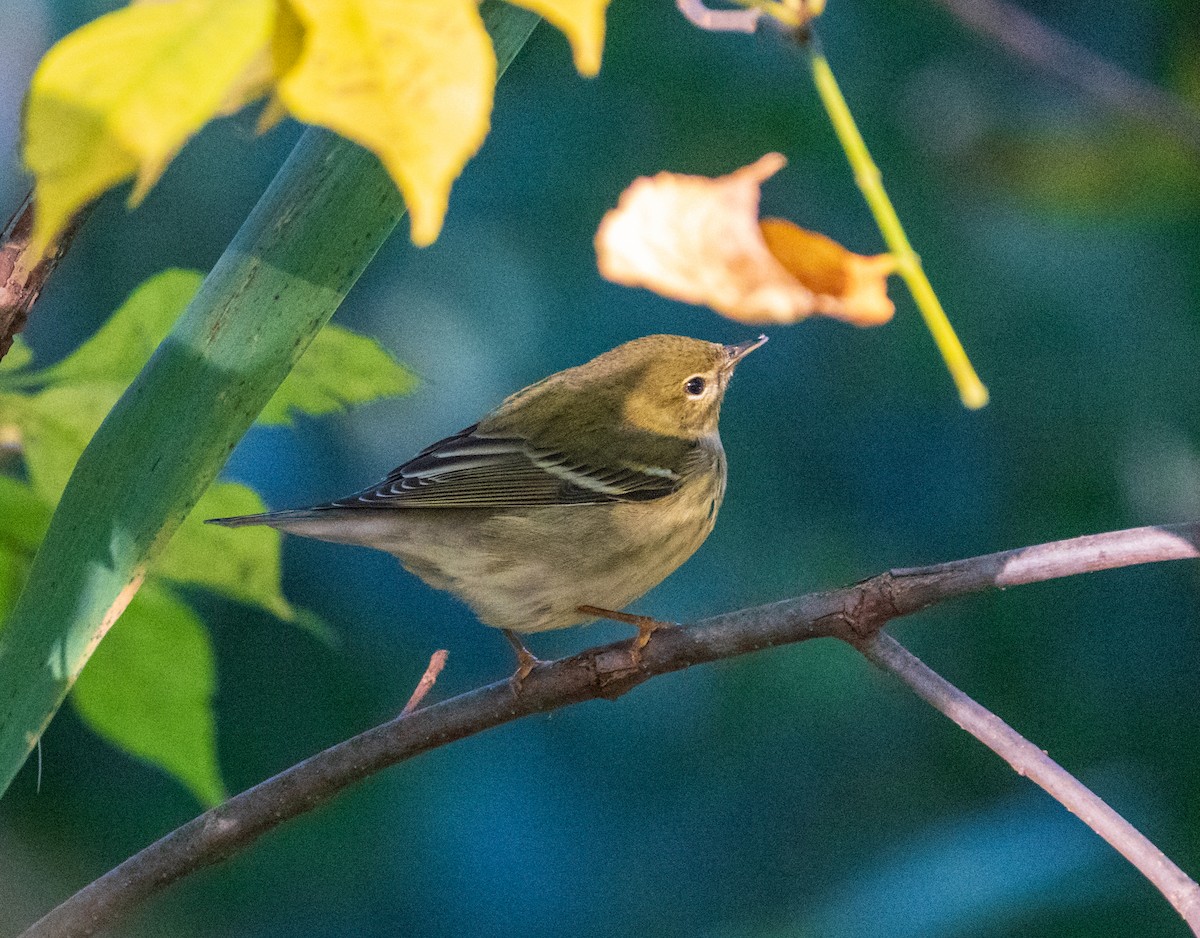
x: 793, y: 793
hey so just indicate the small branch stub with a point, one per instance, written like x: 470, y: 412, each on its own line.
x: 428, y: 679
x: 23, y: 274
x: 718, y: 21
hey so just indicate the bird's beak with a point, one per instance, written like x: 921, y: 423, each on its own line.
x: 737, y: 352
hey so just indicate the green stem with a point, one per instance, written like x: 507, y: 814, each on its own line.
x: 288, y: 268
x: 970, y: 389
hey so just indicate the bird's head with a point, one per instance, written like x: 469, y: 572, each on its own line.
x: 674, y: 385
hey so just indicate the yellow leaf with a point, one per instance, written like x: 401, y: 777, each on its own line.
x: 288, y: 42
x: 410, y: 80
x: 121, y: 95
x: 582, y: 21
x: 286, y: 46
x: 259, y: 78
x: 256, y: 79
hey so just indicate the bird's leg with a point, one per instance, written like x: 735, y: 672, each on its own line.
x: 526, y: 660
x: 645, y: 625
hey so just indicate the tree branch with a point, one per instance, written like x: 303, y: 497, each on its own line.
x: 1028, y: 38
x: 23, y: 276
x: 855, y: 614
x: 1028, y: 760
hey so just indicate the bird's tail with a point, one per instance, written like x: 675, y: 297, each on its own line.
x: 275, y: 519
x: 364, y: 526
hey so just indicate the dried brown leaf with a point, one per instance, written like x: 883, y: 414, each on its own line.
x: 699, y: 240
x: 845, y: 285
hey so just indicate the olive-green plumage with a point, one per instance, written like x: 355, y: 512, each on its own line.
x: 586, y: 488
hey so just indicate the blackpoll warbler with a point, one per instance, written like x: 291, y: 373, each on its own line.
x: 583, y: 490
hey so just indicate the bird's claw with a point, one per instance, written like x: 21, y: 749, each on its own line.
x: 526, y: 661
x: 645, y: 625
x: 645, y: 629
x: 525, y: 665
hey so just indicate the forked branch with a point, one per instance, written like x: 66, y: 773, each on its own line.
x: 1028, y: 760
x: 855, y: 614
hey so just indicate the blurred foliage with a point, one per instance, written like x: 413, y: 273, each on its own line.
x: 791, y: 792
x: 1094, y: 171
x: 120, y: 96
x: 150, y: 692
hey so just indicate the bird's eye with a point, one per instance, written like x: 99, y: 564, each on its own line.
x: 694, y: 386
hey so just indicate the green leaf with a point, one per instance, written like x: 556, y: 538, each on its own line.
x: 23, y: 521
x: 242, y: 564
x: 56, y: 425
x: 18, y: 356
x: 148, y: 690
x: 339, y: 368
x: 125, y: 343
x: 13, y: 569
x: 23, y: 516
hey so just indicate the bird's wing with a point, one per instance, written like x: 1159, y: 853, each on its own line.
x: 469, y: 470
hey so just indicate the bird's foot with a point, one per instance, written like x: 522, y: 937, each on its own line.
x: 645, y: 625
x: 526, y: 661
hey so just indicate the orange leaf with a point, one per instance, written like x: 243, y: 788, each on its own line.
x: 845, y: 285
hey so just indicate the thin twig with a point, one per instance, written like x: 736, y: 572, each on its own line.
x: 1028, y: 760
x: 718, y: 21
x: 1028, y: 38
x: 428, y: 679
x: 869, y: 179
x: 854, y: 613
x: 22, y: 275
